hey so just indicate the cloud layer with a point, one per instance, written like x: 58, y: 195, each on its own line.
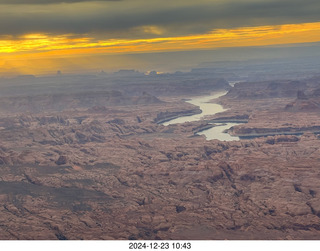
x: 144, y: 18
x: 49, y: 1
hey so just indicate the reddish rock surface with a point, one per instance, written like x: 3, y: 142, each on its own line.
x: 111, y: 172
x: 286, y: 110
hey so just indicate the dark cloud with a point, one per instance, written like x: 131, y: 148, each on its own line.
x: 49, y: 1
x: 127, y: 18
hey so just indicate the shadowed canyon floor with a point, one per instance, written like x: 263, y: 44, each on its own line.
x: 103, y: 168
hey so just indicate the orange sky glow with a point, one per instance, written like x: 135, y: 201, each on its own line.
x: 17, y: 53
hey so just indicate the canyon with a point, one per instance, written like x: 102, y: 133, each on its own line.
x: 95, y: 163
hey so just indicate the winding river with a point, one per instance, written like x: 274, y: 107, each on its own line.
x: 216, y: 132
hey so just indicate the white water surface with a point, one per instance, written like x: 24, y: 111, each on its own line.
x: 206, y: 108
x: 216, y: 132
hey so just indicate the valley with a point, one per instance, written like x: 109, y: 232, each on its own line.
x: 98, y: 164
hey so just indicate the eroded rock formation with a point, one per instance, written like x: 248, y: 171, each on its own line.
x: 111, y: 172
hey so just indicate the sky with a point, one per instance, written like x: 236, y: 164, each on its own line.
x: 43, y: 36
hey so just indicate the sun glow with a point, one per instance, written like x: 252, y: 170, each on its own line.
x: 37, y: 46
x: 247, y: 36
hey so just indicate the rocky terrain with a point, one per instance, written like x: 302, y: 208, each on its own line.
x: 101, y: 167
x: 282, y: 107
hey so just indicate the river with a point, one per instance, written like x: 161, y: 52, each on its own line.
x: 216, y: 132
